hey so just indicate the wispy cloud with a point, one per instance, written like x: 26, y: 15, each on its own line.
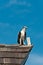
x: 4, y: 24
x: 16, y: 2
x: 35, y: 59
x: 25, y: 3
x: 23, y: 11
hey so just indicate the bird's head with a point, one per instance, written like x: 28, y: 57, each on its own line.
x: 25, y: 27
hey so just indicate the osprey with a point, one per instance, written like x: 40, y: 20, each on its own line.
x: 22, y: 36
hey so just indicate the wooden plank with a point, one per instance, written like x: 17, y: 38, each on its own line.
x: 10, y: 55
x: 15, y: 49
x: 11, y: 60
x: 9, y: 64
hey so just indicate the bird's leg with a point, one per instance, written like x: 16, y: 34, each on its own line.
x: 21, y: 41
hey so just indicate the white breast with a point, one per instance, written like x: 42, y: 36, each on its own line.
x: 22, y: 33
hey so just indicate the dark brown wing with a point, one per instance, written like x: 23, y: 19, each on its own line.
x: 25, y: 36
x: 19, y: 35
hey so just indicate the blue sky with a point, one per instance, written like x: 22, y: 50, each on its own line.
x: 14, y: 14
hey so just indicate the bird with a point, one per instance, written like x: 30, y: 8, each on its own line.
x: 22, y: 35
